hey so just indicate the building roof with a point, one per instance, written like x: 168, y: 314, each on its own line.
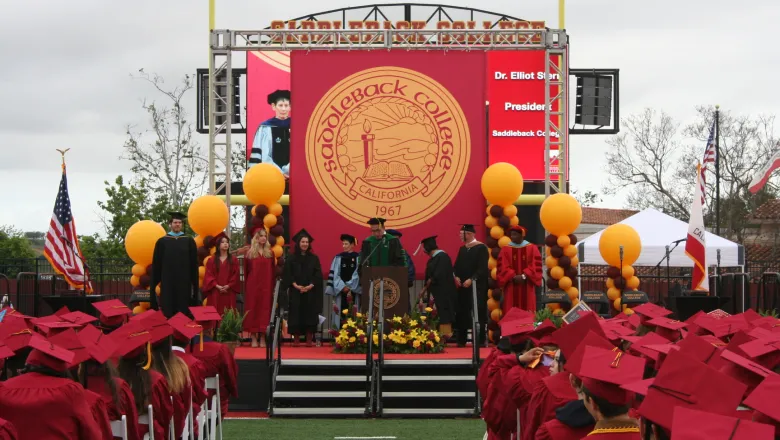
x: 770, y: 210
x: 604, y: 216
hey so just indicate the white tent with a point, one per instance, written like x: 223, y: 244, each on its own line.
x: 658, y: 230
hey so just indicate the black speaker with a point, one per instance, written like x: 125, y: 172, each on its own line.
x: 594, y: 100
x: 686, y: 306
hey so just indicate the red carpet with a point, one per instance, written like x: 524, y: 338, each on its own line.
x: 326, y: 352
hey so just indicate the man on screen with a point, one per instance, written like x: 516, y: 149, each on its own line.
x: 272, y: 139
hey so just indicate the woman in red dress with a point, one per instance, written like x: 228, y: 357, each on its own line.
x: 220, y: 283
x: 259, y: 291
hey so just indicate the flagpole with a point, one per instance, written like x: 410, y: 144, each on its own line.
x: 717, y: 170
x: 62, y: 152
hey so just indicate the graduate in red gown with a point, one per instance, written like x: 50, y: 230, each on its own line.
x: 259, y: 265
x: 221, y: 283
x: 215, y: 357
x: 43, y: 403
x: 183, y: 331
x: 519, y: 271
x: 149, y: 387
x: 7, y: 431
x: 112, y: 314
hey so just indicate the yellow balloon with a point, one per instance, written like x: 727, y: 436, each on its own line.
x: 632, y: 283
x: 514, y: 221
x: 201, y: 271
x: 213, y: 250
x: 145, y: 305
x: 492, y: 305
x: 610, y: 283
x: 254, y: 210
x: 491, y: 222
x: 564, y: 283
x: 573, y: 293
x: 574, y: 301
x: 560, y: 214
x: 553, y: 306
x: 493, y: 273
x: 496, y: 232
x: 269, y: 221
x: 502, y: 184
x: 157, y: 290
x: 264, y: 184
x: 557, y: 273
x: 140, y: 240
x: 137, y: 310
x: 134, y: 281
x: 510, y: 211
x: 200, y: 282
x: 280, y: 241
x: 613, y: 293
x: 492, y: 263
x: 564, y: 241
x: 570, y: 250
x: 208, y: 215
x: 487, y: 210
x: 575, y: 261
x: 620, y: 235
x: 275, y: 209
x: 198, y: 240
x: 490, y: 293
x: 628, y: 311
x: 504, y: 241
x: 206, y: 260
x: 139, y: 270
x: 628, y: 272
x: 617, y: 305
x: 205, y: 301
x: 550, y: 262
x: 277, y: 250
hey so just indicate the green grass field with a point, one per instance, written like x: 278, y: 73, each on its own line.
x: 325, y: 429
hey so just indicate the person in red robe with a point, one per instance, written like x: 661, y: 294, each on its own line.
x: 519, y: 271
x: 7, y: 430
x: 43, y: 401
x: 183, y: 331
x: 572, y: 422
x: 100, y: 413
x: 216, y: 357
x: 259, y: 291
x: 220, y: 283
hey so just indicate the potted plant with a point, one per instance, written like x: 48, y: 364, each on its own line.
x: 229, y: 330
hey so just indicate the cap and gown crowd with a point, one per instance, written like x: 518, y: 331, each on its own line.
x: 70, y: 374
x: 643, y: 376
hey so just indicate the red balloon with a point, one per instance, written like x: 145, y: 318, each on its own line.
x: 272, y: 240
x: 551, y: 240
x: 280, y: 220
x: 492, y: 284
x: 571, y: 272
x: 144, y: 280
x: 494, y: 252
x: 503, y: 221
x: 208, y: 241
x: 496, y: 211
x: 564, y: 261
x: 556, y: 251
x: 491, y: 242
x: 552, y: 283
x: 257, y: 221
x: 203, y: 252
x: 261, y: 211
x: 277, y: 230
x: 613, y: 272
x: 573, y: 239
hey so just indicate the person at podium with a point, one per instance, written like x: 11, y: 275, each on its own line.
x: 407, y: 260
x: 175, y: 268
x: 380, y: 249
x: 519, y: 271
x: 439, y: 283
x: 471, y: 267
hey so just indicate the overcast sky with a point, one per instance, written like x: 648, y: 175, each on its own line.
x: 66, y: 76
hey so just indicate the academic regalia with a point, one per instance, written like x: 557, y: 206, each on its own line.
x: 227, y: 276
x: 384, y: 251
x: 343, y: 274
x: 549, y: 394
x: 438, y: 271
x: 620, y: 428
x: 175, y: 265
x: 98, y: 385
x: 483, y: 378
x: 520, y: 383
x: 411, y: 272
x: 571, y: 422
x: 271, y: 144
x: 8, y: 431
x: 519, y: 259
x: 304, y: 308
x: 499, y: 412
x: 258, y: 293
x: 216, y: 359
x: 183, y: 331
x: 100, y: 413
x: 471, y: 263
x: 160, y: 399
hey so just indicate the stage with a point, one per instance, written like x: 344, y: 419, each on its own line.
x: 326, y: 352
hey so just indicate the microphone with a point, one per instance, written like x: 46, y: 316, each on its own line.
x: 621, y: 252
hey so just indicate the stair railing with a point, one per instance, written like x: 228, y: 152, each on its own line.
x: 475, y: 340
x: 273, y: 344
x: 381, y: 339
x: 370, y: 351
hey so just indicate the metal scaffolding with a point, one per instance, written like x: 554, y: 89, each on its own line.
x: 224, y: 42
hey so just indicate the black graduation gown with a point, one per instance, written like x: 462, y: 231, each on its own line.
x: 389, y: 254
x: 175, y: 265
x: 472, y: 263
x: 303, y: 308
x: 439, y: 271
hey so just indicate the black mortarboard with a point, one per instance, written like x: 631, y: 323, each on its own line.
x: 175, y: 215
x: 278, y: 95
x: 468, y: 228
x: 394, y: 233
x: 347, y: 237
x: 376, y: 221
x: 430, y: 240
x: 302, y: 233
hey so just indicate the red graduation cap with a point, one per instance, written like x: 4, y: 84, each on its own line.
x: 709, y: 426
x: 722, y: 327
x: 516, y: 313
x: 765, y: 351
x: 591, y: 339
x: 157, y: 325
x: 603, y: 372
x: 751, y: 315
x: 651, y: 338
x: 48, y: 324
x: 702, y: 349
x: 764, y: 398
x: 99, y: 346
x: 112, y: 312
x: 640, y: 387
x: 16, y: 334
x: 184, y: 329
x: 517, y: 330
x: 62, y: 311
x: 130, y: 340
x: 569, y: 337
x: 143, y: 315
x: 769, y: 323
x: 668, y: 328
x: 45, y: 354
x: 684, y: 381
x: 5, y: 352
x: 207, y: 316
x: 78, y: 317
x: 745, y: 370
x: 649, y: 311
x: 615, y: 332
x: 663, y: 350
x: 542, y: 332
x: 69, y: 340
x: 634, y: 320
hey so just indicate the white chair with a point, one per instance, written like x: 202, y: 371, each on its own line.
x: 215, y: 408
x: 202, y: 420
x: 119, y: 427
x: 148, y: 420
x: 189, y: 423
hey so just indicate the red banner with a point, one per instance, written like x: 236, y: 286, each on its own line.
x: 515, y: 84
x: 266, y: 72
x: 399, y: 135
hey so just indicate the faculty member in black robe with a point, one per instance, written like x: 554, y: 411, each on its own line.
x: 175, y: 268
x: 471, y: 267
x: 380, y: 249
x: 440, y: 283
x: 302, y: 280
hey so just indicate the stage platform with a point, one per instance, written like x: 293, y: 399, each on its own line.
x: 315, y: 382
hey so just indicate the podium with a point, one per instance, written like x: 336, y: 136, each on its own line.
x: 396, y: 290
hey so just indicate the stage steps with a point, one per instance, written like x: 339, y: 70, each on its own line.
x: 320, y: 388
x: 428, y: 388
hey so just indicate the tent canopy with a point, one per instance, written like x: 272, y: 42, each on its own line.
x: 658, y: 230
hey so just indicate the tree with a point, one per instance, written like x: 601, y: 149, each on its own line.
x: 589, y: 198
x: 14, y: 250
x: 651, y: 159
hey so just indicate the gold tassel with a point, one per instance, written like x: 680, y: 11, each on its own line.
x: 201, y: 340
x: 148, y: 356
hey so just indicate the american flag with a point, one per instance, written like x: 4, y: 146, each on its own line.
x: 709, y: 158
x: 61, y: 246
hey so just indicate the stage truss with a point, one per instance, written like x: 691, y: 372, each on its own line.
x: 225, y: 42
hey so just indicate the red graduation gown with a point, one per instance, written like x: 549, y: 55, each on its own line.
x: 499, y: 412
x: 100, y: 414
x: 126, y: 400
x: 550, y: 394
x: 47, y: 407
x: 483, y: 382
x: 227, y: 276
x: 160, y: 399
x: 181, y: 407
x: 7, y: 431
x: 197, y: 379
x: 521, y: 382
x: 217, y: 359
x: 258, y: 293
x: 514, y: 261
x: 555, y: 430
x: 630, y: 434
